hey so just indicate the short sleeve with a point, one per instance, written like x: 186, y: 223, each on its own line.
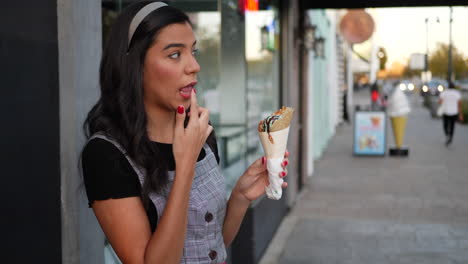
x: 107, y: 173
x: 215, y: 151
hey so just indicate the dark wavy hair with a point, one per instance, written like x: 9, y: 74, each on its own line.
x: 119, y: 112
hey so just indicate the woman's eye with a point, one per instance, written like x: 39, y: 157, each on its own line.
x: 175, y: 55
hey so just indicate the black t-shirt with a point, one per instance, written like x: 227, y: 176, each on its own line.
x: 107, y: 173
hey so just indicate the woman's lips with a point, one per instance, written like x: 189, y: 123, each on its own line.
x: 186, y: 91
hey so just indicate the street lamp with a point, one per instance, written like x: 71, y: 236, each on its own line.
x: 449, y: 68
x: 426, y: 61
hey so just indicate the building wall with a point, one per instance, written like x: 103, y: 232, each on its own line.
x: 333, y: 71
x: 29, y: 137
x: 325, y: 83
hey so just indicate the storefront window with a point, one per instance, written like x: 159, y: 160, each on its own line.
x: 263, y: 75
x: 249, y: 87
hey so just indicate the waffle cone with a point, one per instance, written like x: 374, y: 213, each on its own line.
x: 399, y: 126
x: 286, y: 114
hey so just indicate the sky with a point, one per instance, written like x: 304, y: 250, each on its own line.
x: 402, y: 31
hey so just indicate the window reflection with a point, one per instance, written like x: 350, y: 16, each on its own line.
x: 207, y: 28
x: 262, y: 56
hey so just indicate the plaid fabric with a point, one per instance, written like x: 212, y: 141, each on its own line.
x: 207, y: 208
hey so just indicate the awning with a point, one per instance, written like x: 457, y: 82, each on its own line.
x: 310, y: 4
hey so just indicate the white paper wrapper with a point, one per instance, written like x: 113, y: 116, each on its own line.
x: 275, y: 156
x: 274, y: 190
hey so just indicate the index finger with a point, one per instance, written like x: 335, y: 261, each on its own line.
x: 193, y: 105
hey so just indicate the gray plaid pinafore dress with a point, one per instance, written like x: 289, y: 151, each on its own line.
x: 207, y: 207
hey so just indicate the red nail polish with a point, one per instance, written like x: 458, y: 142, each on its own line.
x: 180, y: 109
x: 195, y: 90
x: 285, y: 163
x: 283, y: 174
x: 263, y: 160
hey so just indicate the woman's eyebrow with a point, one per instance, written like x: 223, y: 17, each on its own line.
x: 178, y: 45
x: 174, y: 45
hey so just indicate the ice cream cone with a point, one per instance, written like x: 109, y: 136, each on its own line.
x: 274, y: 153
x: 399, y: 126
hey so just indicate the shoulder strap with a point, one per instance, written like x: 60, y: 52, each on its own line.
x: 138, y: 170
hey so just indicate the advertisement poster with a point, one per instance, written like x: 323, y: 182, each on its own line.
x: 369, y: 133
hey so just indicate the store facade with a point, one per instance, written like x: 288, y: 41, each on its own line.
x: 241, y: 81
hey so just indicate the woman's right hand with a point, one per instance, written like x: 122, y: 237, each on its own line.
x: 188, y: 141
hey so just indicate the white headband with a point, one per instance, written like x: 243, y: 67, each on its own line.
x: 140, y: 15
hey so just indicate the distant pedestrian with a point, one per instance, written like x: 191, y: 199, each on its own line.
x: 151, y: 164
x: 450, y: 101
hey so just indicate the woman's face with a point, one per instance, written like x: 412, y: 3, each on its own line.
x: 170, y: 68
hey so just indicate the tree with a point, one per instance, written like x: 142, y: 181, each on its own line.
x: 409, y: 73
x: 438, y: 62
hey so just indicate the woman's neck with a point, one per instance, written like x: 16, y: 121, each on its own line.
x: 160, y: 125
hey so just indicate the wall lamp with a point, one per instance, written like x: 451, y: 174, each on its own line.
x: 319, y: 47
x: 309, y: 36
x: 312, y: 42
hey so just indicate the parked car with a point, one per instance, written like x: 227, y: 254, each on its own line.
x: 434, y: 87
x: 462, y: 84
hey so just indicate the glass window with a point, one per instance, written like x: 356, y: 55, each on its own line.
x: 263, y: 75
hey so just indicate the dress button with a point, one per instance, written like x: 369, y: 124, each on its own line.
x: 208, y: 217
x: 213, y: 254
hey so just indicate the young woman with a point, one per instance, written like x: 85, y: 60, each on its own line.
x: 150, y: 165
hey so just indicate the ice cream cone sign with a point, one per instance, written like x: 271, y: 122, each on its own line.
x: 273, y: 132
x: 398, y: 110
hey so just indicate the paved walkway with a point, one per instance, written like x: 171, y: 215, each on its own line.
x: 379, y: 210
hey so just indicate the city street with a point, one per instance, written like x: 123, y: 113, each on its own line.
x: 378, y: 210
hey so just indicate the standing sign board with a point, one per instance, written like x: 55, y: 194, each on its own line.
x: 370, y: 133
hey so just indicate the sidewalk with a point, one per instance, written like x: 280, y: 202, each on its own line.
x: 378, y: 210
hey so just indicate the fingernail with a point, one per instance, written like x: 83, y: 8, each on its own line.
x: 287, y: 152
x: 285, y: 163
x: 283, y: 174
x: 194, y: 90
x: 263, y: 160
x: 180, y: 109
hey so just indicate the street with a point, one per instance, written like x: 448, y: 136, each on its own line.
x: 378, y: 210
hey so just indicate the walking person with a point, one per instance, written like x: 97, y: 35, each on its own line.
x: 450, y: 101
x: 151, y: 165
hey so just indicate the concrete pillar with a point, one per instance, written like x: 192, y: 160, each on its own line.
x: 79, y: 51
x: 290, y: 89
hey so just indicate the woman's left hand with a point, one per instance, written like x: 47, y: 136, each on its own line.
x: 251, y: 185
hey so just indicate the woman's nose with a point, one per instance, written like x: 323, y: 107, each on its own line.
x: 192, y: 66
